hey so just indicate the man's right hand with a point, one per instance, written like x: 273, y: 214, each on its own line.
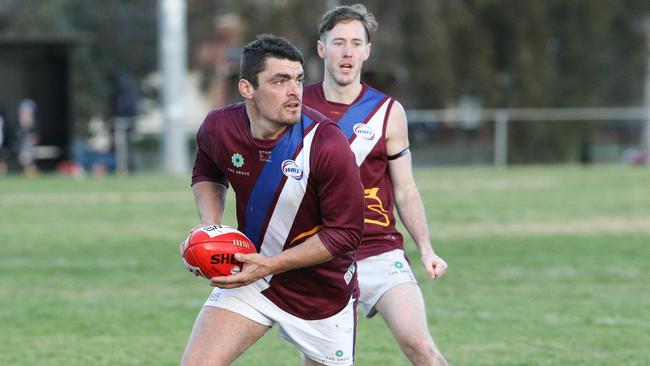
x: 255, y: 266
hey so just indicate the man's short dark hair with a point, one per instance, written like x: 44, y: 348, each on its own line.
x: 254, y: 55
x: 346, y: 13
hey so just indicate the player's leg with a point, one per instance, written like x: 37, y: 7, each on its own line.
x: 388, y: 286
x: 328, y: 341
x: 306, y: 361
x: 402, y: 308
x: 228, y: 324
x: 219, y: 336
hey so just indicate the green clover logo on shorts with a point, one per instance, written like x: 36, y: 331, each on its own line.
x: 399, y: 264
x: 237, y: 160
x: 339, y: 353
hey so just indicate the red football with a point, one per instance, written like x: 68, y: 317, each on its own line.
x: 210, y: 250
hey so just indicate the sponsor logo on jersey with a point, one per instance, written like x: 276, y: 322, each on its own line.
x: 237, y: 160
x: 265, y: 155
x: 364, y: 131
x: 291, y: 169
x: 347, y: 277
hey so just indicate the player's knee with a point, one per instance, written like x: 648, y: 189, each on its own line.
x: 204, y: 361
x: 422, y: 351
x: 197, y: 357
x: 420, y: 345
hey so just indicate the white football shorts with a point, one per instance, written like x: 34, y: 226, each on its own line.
x: 380, y: 273
x: 329, y: 341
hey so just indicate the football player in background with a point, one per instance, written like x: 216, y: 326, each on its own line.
x: 285, y: 163
x: 376, y: 128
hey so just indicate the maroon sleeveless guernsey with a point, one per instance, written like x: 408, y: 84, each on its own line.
x: 364, y: 125
x: 286, y: 190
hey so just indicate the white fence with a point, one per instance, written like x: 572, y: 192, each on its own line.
x: 503, y: 117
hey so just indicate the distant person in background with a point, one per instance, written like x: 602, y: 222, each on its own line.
x: 27, y: 136
x: 93, y: 155
x: 4, y: 144
x: 376, y: 128
x: 101, y: 159
x: 124, y: 108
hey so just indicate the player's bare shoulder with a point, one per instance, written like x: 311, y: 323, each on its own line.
x: 396, y: 129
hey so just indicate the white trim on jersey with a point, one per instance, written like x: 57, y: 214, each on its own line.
x: 285, y: 210
x: 361, y: 146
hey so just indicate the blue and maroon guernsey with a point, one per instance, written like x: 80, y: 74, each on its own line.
x: 286, y: 190
x: 364, y: 125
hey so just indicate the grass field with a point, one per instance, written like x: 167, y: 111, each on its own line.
x: 548, y: 266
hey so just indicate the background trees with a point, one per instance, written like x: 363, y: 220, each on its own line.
x: 428, y: 54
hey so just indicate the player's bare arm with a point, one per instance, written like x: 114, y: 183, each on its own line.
x: 407, y: 197
x: 210, y: 200
x: 256, y: 266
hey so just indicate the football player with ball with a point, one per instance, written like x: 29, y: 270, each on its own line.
x: 299, y: 202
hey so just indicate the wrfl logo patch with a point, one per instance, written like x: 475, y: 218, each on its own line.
x: 291, y: 169
x: 364, y: 131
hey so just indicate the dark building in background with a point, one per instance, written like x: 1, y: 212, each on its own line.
x: 38, y: 68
